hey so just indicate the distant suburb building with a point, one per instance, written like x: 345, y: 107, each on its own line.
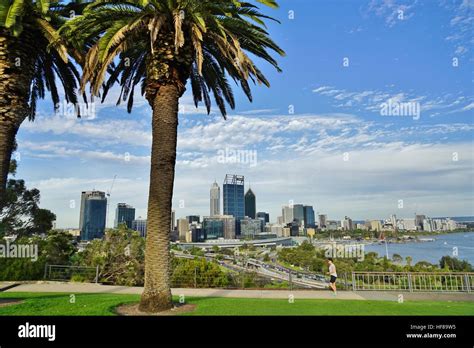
x: 92, y: 215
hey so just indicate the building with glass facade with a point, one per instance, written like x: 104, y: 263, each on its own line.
x: 124, y: 214
x: 250, y: 228
x: 221, y: 226
x: 92, y: 214
x: 322, y: 220
x: 298, y: 214
x: 213, y: 228
x: 264, y: 216
x: 140, y: 226
x: 250, y: 204
x: 233, y: 195
x: 309, y: 218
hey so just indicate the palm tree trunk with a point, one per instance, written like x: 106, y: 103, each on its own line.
x: 16, y: 73
x: 157, y: 292
x: 7, y: 140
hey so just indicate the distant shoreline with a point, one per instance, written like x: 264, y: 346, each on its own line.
x: 413, y: 238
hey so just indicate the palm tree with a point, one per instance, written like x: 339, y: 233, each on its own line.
x: 31, y: 57
x: 161, y: 44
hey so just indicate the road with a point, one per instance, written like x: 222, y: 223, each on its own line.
x: 263, y: 269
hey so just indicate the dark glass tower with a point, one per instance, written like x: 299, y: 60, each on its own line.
x: 233, y: 192
x: 93, y: 214
x: 309, y: 219
x: 264, y: 216
x: 213, y: 228
x: 250, y: 205
x: 124, y: 214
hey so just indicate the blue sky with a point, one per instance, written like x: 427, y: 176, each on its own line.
x: 335, y: 151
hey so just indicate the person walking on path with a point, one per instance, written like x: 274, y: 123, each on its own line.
x: 333, y: 275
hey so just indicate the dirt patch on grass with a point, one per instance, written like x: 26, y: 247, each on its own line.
x: 4, y: 302
x: 132, y: 310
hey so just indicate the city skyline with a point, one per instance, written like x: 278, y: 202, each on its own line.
x: 319, y: 135
x: 297, y: 212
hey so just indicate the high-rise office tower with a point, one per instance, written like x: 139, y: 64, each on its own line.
x: 287, y: 214
x: 234, y: 196
x: 322, y: 220
x: 250, y: 204
x: 173, y: 221
x: 183, y: 229
x: 263, y: 215
x: 215, y: 199
x: 298, y: 214
x: 92, y: 214
x: 139, y: 225
x: 124, y: 214
x: 308, y: 212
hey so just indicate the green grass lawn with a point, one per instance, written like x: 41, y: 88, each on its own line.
x: 104, y: 304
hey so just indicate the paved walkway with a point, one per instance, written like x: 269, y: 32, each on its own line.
x: 74, y: 288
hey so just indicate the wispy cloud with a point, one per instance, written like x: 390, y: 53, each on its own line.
x: 393, y: 11
x: 461, y: 25
x: 372, y: 100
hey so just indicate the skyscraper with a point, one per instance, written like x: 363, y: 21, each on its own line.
x: 173, y: 221
x: 250, y: 204
x: 139, y: 225
x: 92, y: 214
x: 322, y: 220
x: 298, y: 214
x: 308, y: 212
x: 215, y: 199
x: 234, y: 196
x: 287, y: 214
x: 183, y: 229
x: 263, y: 215
x: 124, y: 214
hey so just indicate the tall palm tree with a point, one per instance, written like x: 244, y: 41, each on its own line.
x: 162, y: 44
x: 32, y: 55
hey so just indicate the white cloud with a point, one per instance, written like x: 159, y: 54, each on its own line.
x: 371, y: 100
x: 100, y: 129
x: 300, y: 157
x: 392, y: 11
x: 461, y: 24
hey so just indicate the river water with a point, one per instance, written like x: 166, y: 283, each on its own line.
x: 431, y: 251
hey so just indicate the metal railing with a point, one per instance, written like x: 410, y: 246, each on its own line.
x: 229, y: 281
x: 71, y: 273
x: 413, y: 281
x: 254, y: 280
x: 361, y: 281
